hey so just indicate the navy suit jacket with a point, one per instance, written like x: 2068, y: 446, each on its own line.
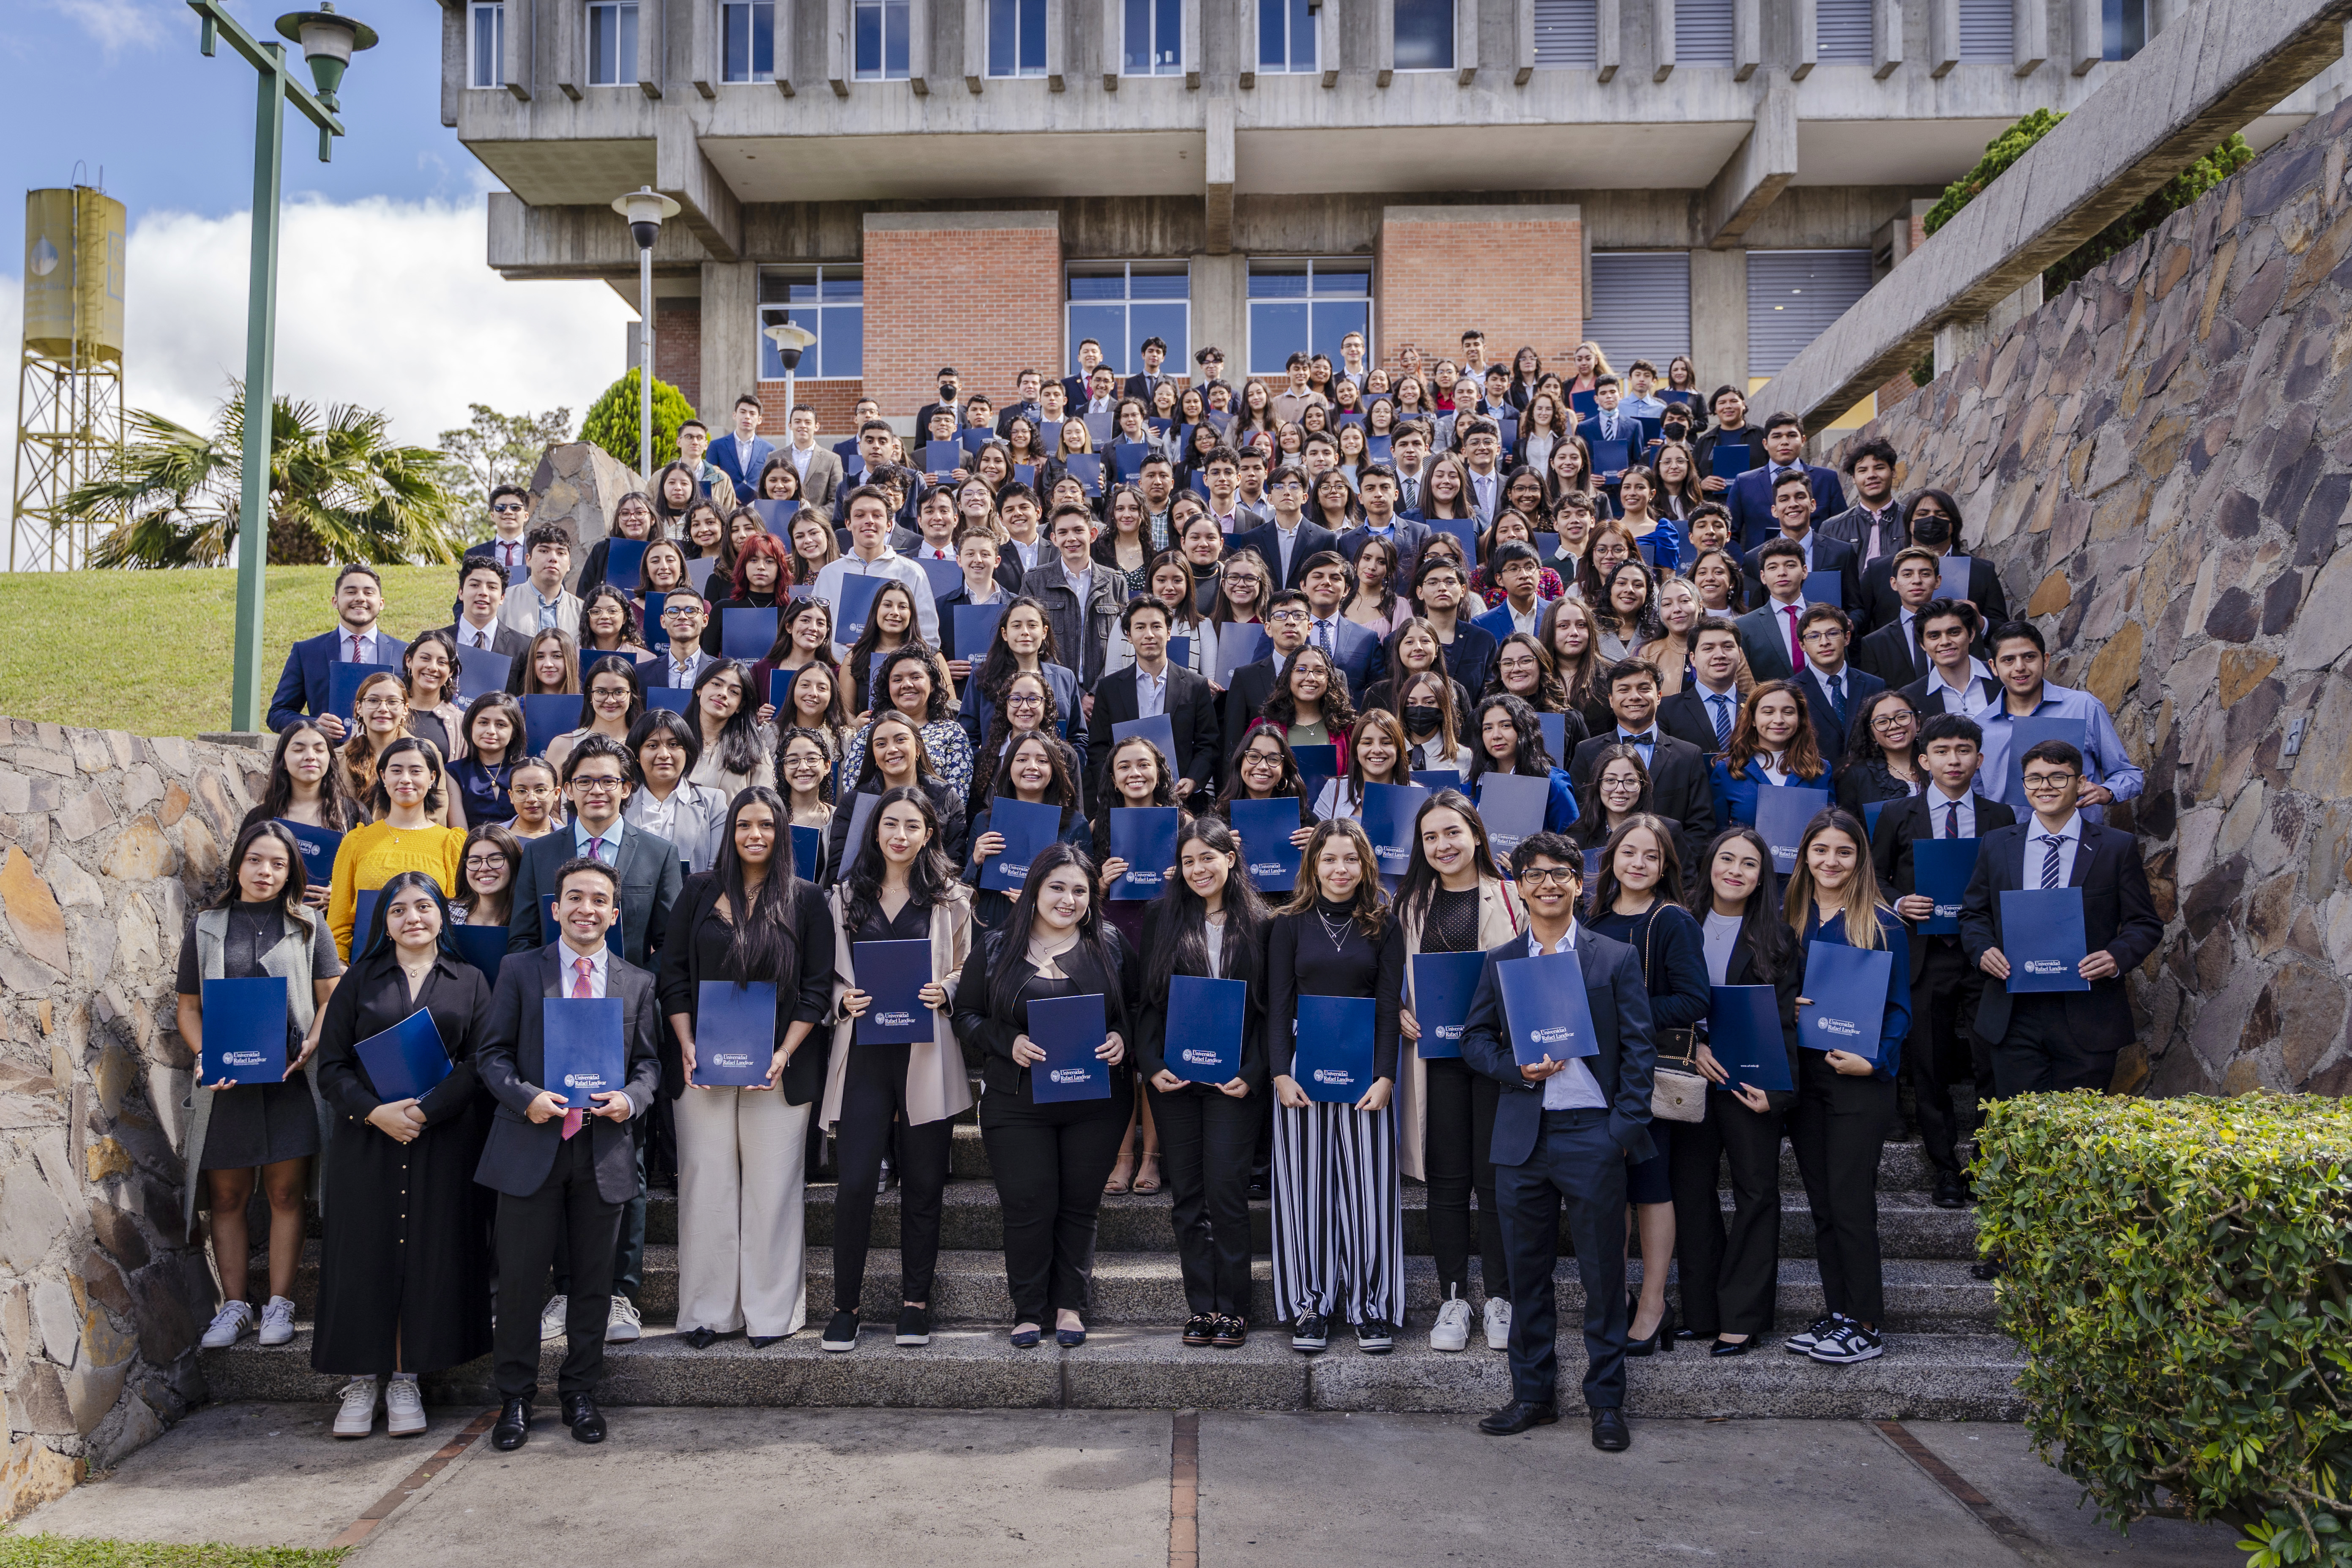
x: 1830, y: 723
x: 1900, y: 828
x: 2118, y: 915
x: 651, y: 875
x: 1497, y: 624
x: 1624, y: 1067
x: 1829, y: 555
x: 1750, y: 500
x: 520, y: 1152
x: 1880, y: 604
x: 1311, y: 540
x: 304, y: 688
x: 722, y: 453
x: 1629, y: 430
x: 1409, y: 537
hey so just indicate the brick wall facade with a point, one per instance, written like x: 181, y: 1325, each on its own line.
x: 677, y: 353
x: 981, y: 291
x: 836, y: 403
x: 1514, y: 273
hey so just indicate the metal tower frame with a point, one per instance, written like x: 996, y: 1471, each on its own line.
x: 69, y: 427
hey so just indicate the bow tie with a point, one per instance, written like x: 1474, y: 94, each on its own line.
x: 1647, y: 738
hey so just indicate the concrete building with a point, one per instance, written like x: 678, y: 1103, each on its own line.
x: 984, y: 183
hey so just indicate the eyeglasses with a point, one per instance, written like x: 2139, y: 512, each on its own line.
x: 680, y: 612
x: 2043, y: 784
x: 1549, y: 876
x: 507, y: 506
x: 1288, y: 617
x: 1024, y: 699
x: 484, y: 863
x: 598, y: 785
x: 1892, y: 721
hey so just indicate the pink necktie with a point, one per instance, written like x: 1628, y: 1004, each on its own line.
x: 1796, y: 643
x: 580, y: 988
x: 355, y: 647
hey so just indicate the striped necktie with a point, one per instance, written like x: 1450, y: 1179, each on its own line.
x: 2050, y: 859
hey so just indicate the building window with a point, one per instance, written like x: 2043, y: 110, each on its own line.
x: 1792, y: 298
x: 829, y: 301
x: 1641, y: 306
x: 1842, y: 33
x: 1016, y: 37
x: 883, y: 27
x: 612, y: 42
x: 486, y: 45
x: 1703, y: 32
x: 1568, y: 34
x: 1424, y: 34
x: 1286, y: 35
x: 2122, y: 29
x: 1305, y: 307
x: 751, y: 29
x: 1155, y: 38
x: 1119, y: 304
x: 1987, y: 31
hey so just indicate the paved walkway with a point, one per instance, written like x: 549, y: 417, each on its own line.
x: 1111, y: 1490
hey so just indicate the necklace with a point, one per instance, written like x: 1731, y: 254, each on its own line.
x: 1335, y: 934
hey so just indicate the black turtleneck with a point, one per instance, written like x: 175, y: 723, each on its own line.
x: 1304, y: 960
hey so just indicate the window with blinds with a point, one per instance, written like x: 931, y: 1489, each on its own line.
x: 1792, y: 298
x: 1841, y: 32
x: 1703, y: 32
x: 1567, y: 32
x: 1641, y: 306
x: 1987, y: 31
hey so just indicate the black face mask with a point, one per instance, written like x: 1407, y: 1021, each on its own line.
x: 1422, y: 720
x: 1673, y: 430
x: 1930, y: 530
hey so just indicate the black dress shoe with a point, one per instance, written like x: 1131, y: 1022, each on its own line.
x: 1951, y: 1191
x: 1732, y: 1347
x: 702, y: 1339
x: 761, y: 1341
x: 587, y: 1422
x: 513, y: 1426
x: 1516, y: 1417
x: 1610, y: 1433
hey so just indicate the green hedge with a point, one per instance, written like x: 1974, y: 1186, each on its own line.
x: 2179, y: 1274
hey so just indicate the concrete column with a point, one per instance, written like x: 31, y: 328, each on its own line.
x: 1523, y: 40
x: 730, y: 335
x: 1220, y: 308
x: 1219, y: 193
x: 922, y: 19
x: 1757, y: 171
x: 1719, y: 299
x: 521, y: 28
x: 703, y: 65
x: 1244, y: 40
x: 1609, y: 31
x: 1661, y: 36
x: 1805, y: 24
x: 1887, y: 37
x: 839, y: 61
x: 1748, y: 38
x: 651, y: 15
x: 1465, y: 37
x: 975, y: 44
x: 1943, y: 36
x: 1113, y: 22
x: 2084, y: 26
x: 1384, y: 42
x: 2030, y: 34
x: 565, y: 41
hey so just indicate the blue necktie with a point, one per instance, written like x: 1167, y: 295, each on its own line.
x: 2050, y: 859
x: 1722, y: 707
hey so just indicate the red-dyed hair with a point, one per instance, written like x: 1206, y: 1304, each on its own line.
x: 769, y: 545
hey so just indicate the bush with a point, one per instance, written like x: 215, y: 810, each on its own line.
x: 2177, y: 1273
x: 611, y: 421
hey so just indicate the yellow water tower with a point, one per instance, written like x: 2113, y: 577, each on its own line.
x: 70, y: 385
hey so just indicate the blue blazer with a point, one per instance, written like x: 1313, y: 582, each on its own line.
x: 1629, y: 430
x: 1619, y: 1002
x: 1735, y: 799
x: 722, y: 453
x: 1358, y: 644
x: 303, y: 687
x: 1750, y: 500
x: 1897, y: 1024
x: 1496, y: 623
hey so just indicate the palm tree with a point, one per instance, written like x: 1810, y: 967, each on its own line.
x: 339, y: 490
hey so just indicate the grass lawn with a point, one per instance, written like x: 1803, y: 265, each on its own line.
x: 75, y: 1552
x: 170, y: 641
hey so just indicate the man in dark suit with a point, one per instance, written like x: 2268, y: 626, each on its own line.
x: 1349, y: 643
x: 1750, y: 496
x: 949, y: 388
x: 1287, y: 620
x: 1025, y: 403
x: 1892, y: 651
x: 1771, y: 634
x: 1679, y: 790
x: 1955, y: 681
x: 1609, y: 423
x: 2059, y: 1040
x: 307, y: 684
x: 1164, y: 687
x: 1792, y: 509
x: 1375, y: 489
x: 1707, y: 709
x: 1944, y: 986
x: 481, y: 590
x: 562, y: 1167
x: 1834, y: 691
x: 1872, y: 525
x: 1145, y: 381
x: 510, y: 516
x: 1076, y: 389
x: 1287, y: 542
x: 1082, y: 597
x: 744, y: 452
x: 1882, y: 601
x: 1564, y: 1130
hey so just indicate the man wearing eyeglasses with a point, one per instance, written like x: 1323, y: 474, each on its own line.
x: 1292, y: 538
x: 683, y: 614
x: 1834, y: 691
x: 509, y: 516
x: 1289, y: 620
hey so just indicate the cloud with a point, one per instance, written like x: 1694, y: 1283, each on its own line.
x: 116, y: 25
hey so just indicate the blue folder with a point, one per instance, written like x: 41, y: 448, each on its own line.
x: 780, y: 687
x: 676, y: 699
x: 1145, y: 837
x: 1087, y: 468
x: 363, y: 903
x: 1846, y: 987
x: 656, y: 638
x: 1332, y: 1059
x: 942, y: 458
x: 517, y: 574
x: 946, y: 576
x: 1952, y: 577
x: 1180, y: 654
x: 1465, y: 531
x: 1512, y: 807
x: 1872, y: 810
x: 1545, y: 1005
x: 480, y: 671
x: 2042, y: 938
x: 894, y: 974
x: 1025, y: 474
x: 1595, y: 859
x: 407, y: 1060
x: 1555, y: 736
x: 549, y: 931
x: 974, y: 627
x: 975, y: 437
x: 861, y: 813
x: 318, y: 846
x: 1386, y: 817
x: 244, y: 1030
x: 1029, y: 831
x: 343, y: 685
x: 1442, y: 986
x: 1940, y: 869
x: 585, y: 1055
x: 747, y: 632
x: 1729, y: 460
x: 1204, y: 1043
x: 1610, y: 459
x: 1377, y: 450
x: 484, y: 947
x: 857, y: 592
x: 808, y: 852
x: 699, y: 570
x: 1351, y: 417
x: 1435, y: 779
x: 544, y: 716
x: 590, y: 657
x: 1825, y: 588
x: 1127, y: 459
x: 1585, y: 403
x: 1783, y: 813
x: 1264, y: 827
x: 1239, y: 643
x: 1069, y: 1030
x: 777, y: 516
x: 624, y: 562
x: 1743, y: 1032
x: 1099, y: 429
x: 2024, y: 734
x: 1317, y: 764
x: 1647, y: 548
x: 734, y: 1033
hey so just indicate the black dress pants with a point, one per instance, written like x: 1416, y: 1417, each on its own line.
x: 1456, y: 1139
x: 1577, y: 1167
x: 1942, y: 999
x: 1839, y: 1128
x: 1207, y: 1140
x: 873, y: 1097
x: 1728, y: 1287
x: 567, y: 1207
x: 1051, y: 1161
x: 2041, y: 1052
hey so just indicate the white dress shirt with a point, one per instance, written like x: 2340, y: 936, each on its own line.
x: 1940, y: 808
x: 364, y: 642
x: 1573, y: 1087
x: 1969, y: 700
x: 596, y: 968
x: 1150, y: 691
x: 608, y: 843
x: 471, y: 636
x: 800, y: 457
x: 2037, y: 848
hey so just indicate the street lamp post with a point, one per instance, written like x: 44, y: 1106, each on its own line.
x: 328, y: 42
x: 790, y: 342
x: 645, y: 208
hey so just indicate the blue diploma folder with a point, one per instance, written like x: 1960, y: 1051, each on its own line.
x: 780, y: 687
x: 734, y: 1033
x: 406, y: 1060
x: 699, y: 570
x: 1127, y: 458
x: 1029, y: 830
x: 1847, y: 989
x: 1952, y: 577
x: 624, y: 560
x: 1872, y: 810
x: 1825, y: 588
x: 318, y: 846
x: 1610, y: 459
x: 1159, y: 729
x: 1239, y: 643
x: 1386, y: 817
x: 808, y: 852
x: 945, y: 577
x: 1585, y: 405
x: 484, y: 947
x: 975, y: 630
x: 362, y: 916
x: 1443, y: 985
x: 1544, y: 1002
x: 1377, y: 449
x: 244, y: 1030
x: 343, y: 685
x: 1729, y: 460
x: 857, y: 592
x: 586, y: 1055
x: 1204, y: 1043
x: 1317, y: 764
x: 942, y: 458
x: 777, y: 516
x: 861, y: 813
x: 1743, y: 1032
x: 2041, y: 936
x: 1069, y: 1030
x: 747, y: 634
x: 549, y: 931
x: 1940, y: 869
x: 1465, y: 531
x: 656, y: 638
x: 1435, y: 779
x: 1145, y: 837
x: 676, y: 699
x: 1781, y: 813
x: 1512, y: 807
x: 1087, y: 468
x: 480, y: 671
x: 1264, y: 827
x: 1554, y: 727
x: 1333, y: 1058
x: 894, y: 974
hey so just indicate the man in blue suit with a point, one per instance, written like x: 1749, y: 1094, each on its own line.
x: 307, y: 684
x: 1350, y: 644
x: 743, y: 454
x: 1750, y: 496
x: 1607, y: 423
x: 1519, y: 571
x: 1292, y: 539
x: 1376, y: 488
x: 1834, y: 691
x: 1563, y: 1131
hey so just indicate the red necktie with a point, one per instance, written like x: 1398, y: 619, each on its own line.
x: 580, y: 988
x: 1796, y: 643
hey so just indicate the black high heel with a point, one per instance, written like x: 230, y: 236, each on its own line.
x: 1660, y: 1339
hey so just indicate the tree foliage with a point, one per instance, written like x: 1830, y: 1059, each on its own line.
x: 611, y: 421
x: 492, y: 449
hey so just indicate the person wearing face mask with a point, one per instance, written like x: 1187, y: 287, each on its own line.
x: 1429, y: 706
x: 1932, y: 520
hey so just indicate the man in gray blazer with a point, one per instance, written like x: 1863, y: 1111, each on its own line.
x: 820, y: 470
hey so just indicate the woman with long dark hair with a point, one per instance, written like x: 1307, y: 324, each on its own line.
x: 608, y: 624
x: 634, y: 517
x: 403, y: 1273
x: 493, y: 855
x: 550, y: 666
x: 429, y: 674
x: 494, y: 730
x: 1414, y: 649
x: 1627, y: 610
x: 1881, y: 754
x: 804, y: 637
x: 913, y: 684
x: 1309, y: 703
x: 896, y: 758
x: 610, y: 706
x: 890, y: 626
x: 1506, y: 738
x: 1035, y: 771
x: 736, y: 751
x: 1050, y: 1158
x: 1026, y: 708
x: 306, y: 787
x: 902, y: 886
x: 1024, y: 643
x: 410, y: 787
x: 1264, y: 768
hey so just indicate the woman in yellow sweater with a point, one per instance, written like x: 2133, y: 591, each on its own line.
x: 409, y: 788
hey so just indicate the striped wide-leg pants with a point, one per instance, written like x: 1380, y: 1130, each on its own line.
x: 1339, y: 1228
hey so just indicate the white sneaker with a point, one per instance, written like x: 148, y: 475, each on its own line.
x: 404, y: 1407
x: 357, y: 1417
x: 624, y: 1323
x: 229, y: 1325
x: 551, y: 1318
x: 278, y: 1321
x: 1498, y: 1323
x: 1451, y: 1332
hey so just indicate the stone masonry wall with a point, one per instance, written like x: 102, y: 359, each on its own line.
x: 108, y: 842
x: 2160, y: 462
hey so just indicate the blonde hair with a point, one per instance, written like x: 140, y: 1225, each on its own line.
x: 1860, y: 902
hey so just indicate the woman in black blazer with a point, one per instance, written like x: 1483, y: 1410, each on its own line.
x: 404, y: 1262
x: 1728, y: 1291
x: 1050, y: 1160
x: 742, y: 1152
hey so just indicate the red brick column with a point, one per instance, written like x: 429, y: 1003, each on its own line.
x: 677, y: 351
x: 1528, y: 285
x: 981, y: 291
